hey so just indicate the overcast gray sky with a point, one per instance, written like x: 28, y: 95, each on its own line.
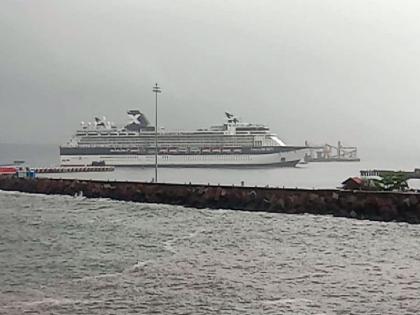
x: 321, y: 70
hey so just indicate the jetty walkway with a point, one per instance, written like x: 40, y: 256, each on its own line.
x: 380, y: 206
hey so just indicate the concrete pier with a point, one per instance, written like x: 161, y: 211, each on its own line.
x: 381, y: 206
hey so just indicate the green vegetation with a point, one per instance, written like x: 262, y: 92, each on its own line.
x: 392, y: 182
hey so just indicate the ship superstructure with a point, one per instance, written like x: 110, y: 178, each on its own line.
x: 232, y: 143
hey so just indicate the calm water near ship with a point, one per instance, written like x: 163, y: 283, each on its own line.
x: 313, y: 175
x: 66, y: 255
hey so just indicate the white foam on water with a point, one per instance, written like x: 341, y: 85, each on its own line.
x: 138, y: 266
x: 288, y: 301
x: 49, y: 301
x: 169, y: 246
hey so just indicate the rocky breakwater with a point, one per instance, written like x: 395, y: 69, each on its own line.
x: 382, y: 206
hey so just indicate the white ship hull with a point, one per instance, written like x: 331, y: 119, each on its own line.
x: 285, y: 159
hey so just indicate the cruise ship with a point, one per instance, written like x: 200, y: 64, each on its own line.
x: 230, y: 144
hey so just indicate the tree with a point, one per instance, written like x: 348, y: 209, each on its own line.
x: 392, y: 182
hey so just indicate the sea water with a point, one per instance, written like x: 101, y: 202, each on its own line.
x: 66, y: 255
x: 312, y: 175
x: 70, y: 255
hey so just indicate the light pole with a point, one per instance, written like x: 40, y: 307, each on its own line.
x: 156, y: 90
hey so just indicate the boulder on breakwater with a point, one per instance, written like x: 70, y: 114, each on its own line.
x: 380, y: 206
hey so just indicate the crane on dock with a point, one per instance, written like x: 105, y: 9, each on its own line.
x: 331, y: 153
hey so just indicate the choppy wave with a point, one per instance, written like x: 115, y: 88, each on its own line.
x: 65, y: 255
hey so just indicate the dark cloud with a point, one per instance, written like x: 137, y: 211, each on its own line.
x: 321, y: 70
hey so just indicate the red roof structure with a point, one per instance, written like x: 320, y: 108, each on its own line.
x: 353, y: 183
x: 8, y: 170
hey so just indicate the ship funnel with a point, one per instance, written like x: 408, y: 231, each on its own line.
x: 231, y: 118
x: 99, y: 122
x: 138, y: 120
x: 229, y: 115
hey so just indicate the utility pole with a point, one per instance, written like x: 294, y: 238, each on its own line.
x: 156, y: 90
